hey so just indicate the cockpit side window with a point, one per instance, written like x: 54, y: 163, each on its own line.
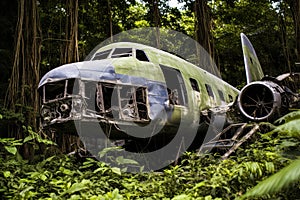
x: 122, y: 52
x: 102, y: 55
x: 194, y: 85
x: 140, y: 55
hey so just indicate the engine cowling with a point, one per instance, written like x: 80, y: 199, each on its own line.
x: 261, y: 100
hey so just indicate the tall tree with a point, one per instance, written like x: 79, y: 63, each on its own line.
x: 295, y: 9
x: 203, y: 36
x: 70, y: 53
x: 154, y: 9
x: 22, y: 95
x: 154, y: 17
x: 110, y: 20
x: 8, y: 16
x: 203, y: 25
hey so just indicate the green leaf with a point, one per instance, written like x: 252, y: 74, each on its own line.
x: 108, y: 149
x: 123, y: 161
x: 66, y: 171
x: 181, y: 197
x: 10, y: 149
x: 290, y: 128
x: 209, y: 197
x: 288, y: 117
x: 6, y: 174
x: 75, y: 188
x: 26, y: 190
x: 202, y: 183
x: 116, y: 170
x: 276, y: 182
x: 28, y: 138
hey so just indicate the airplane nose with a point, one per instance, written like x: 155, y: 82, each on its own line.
x: 60, y: 73
x: 91, y: 70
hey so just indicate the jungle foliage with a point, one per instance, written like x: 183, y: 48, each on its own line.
x: 52, y: 175
x: 33, y: 167
x: 52, y: 33
x: 270, y: 24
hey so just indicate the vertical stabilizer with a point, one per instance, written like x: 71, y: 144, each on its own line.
x: 252, y: 65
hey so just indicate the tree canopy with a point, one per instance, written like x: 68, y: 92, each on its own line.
x: 52, y: 33
x: 39, y: 35
x: 272, y: 25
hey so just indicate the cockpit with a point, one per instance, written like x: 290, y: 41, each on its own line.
x: 121, y: 52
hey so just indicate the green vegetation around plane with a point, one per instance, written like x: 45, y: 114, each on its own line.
x: 146, y: 96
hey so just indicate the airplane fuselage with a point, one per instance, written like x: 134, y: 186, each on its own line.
x: 131, y: 85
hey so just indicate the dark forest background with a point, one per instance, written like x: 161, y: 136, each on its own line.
x: 37, y: 36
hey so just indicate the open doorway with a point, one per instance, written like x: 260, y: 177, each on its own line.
x: 175, y: 86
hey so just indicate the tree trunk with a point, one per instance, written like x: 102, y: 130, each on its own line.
x: 110, y: 20
x: 22, y: 95
x: 156, y: 18
x: 295, y: 9
x: 203, y: 26
x: 70, y: 53
x: 283, y: 37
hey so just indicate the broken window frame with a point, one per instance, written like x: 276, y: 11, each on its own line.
x: 175, y: 86
x: 209, y: 91
x: 133, y: 100
x: 66, y: 91
x: 221, y: 95
x: 121, y: 54
x: 230, y: 98
x: 138, y: 56
x: 110, y: 53
x: 118, y: 106
x: 106, y: 52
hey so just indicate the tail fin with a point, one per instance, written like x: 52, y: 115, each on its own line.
x: 252, y: 65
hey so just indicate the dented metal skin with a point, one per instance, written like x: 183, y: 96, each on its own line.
x: 131, y: 85
x: 159, y: 82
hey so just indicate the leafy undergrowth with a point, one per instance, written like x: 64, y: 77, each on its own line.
x: 203, y: 176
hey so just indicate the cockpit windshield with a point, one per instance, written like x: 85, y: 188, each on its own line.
x: 102, y: 55
x: 121, y: 52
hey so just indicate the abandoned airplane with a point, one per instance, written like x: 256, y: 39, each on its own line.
x: 128, y: 85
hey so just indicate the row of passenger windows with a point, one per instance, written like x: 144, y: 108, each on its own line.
x: 121, y: 52
x: 209, y: 90
x: 140, y: 55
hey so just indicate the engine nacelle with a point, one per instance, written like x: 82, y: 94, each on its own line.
x: 261, y: 100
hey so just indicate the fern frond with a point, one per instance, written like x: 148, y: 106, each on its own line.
x: 291, y: 128
x: 288, y: 117
x: 276, y: 182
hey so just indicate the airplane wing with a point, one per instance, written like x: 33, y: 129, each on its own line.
x: 252, y: 65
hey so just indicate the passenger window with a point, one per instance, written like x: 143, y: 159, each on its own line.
x: 122, y: 52
x: 194, y: 84
x: 221, y: 95
x: 230, y: 98
x: 209, y: 91
x: 101, y: 55
x: 140, y: 55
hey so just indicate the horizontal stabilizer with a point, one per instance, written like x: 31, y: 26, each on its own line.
x: 252, y: 65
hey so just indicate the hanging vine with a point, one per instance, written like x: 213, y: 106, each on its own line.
x: 203, y: 27
x: 22, y: 96
x: 70, y: 49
